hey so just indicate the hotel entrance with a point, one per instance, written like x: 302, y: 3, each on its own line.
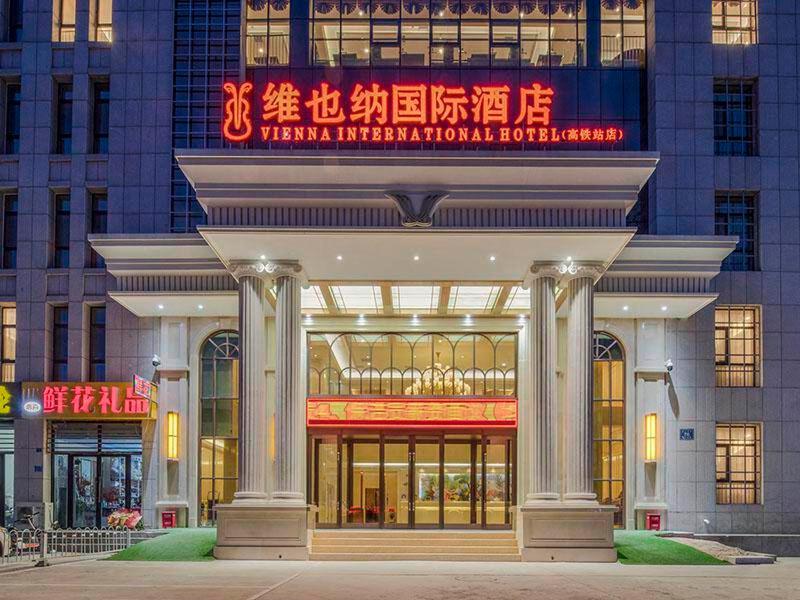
x: 412, y: 481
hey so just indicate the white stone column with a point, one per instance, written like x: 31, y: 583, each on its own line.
x: 252, y: 486
x: 543, y: 417
x: 289, y: 405
x: 578, y: 409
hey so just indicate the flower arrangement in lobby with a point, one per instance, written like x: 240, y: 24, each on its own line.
x: 441, y: 380
x: 126, y: 518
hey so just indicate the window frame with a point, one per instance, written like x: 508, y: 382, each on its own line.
x: 744, y: 205
x: 63, y: 113
x: 97, y: 223
x: 96, y: 26
x: 724, y: 34
x: 97, y: 366
x: 56, y: 360
x: 729, y: 96
x: 737, y: 373
x: 59, y: 250
x: 8, y: 325
x: 64, y: 32
x: 9, y: 240
x: 753, y: 481
x: 101, y: 119
x: 13, y: 121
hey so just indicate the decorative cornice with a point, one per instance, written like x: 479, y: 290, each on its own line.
x: 417, y: 208
x: 269, y: 270
x: 562, y: 272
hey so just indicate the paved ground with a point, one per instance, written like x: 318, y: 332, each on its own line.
x: 218, y: 580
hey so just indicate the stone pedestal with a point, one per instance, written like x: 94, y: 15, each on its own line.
x: 262, y: 532
x: 567, y: 532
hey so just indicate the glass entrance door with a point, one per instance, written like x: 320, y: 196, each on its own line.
x: 411, y: 481
x: 113, y: 475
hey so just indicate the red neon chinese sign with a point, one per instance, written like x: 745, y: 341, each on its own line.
x: 439, y: 413
x: 87, y: 400
x: 418, y: 113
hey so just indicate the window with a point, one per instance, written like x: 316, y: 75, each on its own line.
x: 60, y: 343
x: 63, y: 129
x: 735, y: 213
x: 14, y: 20
x: 61, y: 231
x: 608, y: 410
x: 97, y: 343
x: 98, y: 223
x: 100, y: 21
x: 219, y: 416
x: 267, y: 28
x: 738, y: 463
x: 10, y: 208
x: 63, y: 20
x: 622, y: 33
x: 13, y: 114
x: 100, y: 116
x: 737, y: 343
x: 470, y: 34
x: 8, y: 352
x: 734, y: 21
x: 734, y: 117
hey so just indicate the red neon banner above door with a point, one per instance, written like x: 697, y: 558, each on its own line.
x: 411, y: 412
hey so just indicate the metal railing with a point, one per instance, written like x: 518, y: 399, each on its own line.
x: 37, y: 546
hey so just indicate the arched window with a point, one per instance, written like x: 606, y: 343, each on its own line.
x: 219, y: 422
x: 609, y: 424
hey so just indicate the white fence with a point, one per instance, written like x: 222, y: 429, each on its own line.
x: 38, y: 546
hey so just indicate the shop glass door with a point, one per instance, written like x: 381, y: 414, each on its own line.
x: 396, y: 503
x: 6, y: 490
x: 326, y: 481
x: 113, y: 475
x: 459, y: 483
x: 363, y: 493
x: 84, y: 491
x: 496, y: 465
x: 426, y: 496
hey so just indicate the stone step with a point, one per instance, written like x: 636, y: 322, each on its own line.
x: 434, y: 534
x: 416, y: 549
x: 414, y: 541
x: 423, y: 556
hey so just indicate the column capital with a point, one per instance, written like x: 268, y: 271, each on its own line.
x: 269, y: 270
x: 563, y: 271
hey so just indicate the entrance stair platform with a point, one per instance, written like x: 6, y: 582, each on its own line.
x: 397, y: 544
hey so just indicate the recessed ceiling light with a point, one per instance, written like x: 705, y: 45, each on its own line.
x: 338, y: 257
x: 664, y: 308
x: 361, y: 316
x: 415, y: 316
x: 263, y: 257
x: 416, y: 257
x: 160, y: 307
x: 493, y: 258
x: 569, y: 259
x: 200, y: 307
x: 626, y: 307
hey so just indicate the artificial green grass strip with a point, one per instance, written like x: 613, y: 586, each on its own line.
x: 645, y: 548
x: 191, y: 545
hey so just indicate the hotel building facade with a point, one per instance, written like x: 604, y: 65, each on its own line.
x: 526, y: 265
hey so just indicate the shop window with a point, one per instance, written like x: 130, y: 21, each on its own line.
x: 14, y: 21
x: 101, y: 97
x: 608, y: 413
x: 60, y: 348
x: 63, y: 20
x: 735, y: 213
x: 734, y: 22
x: 403, y: 364
x: 622, y: 33
x: 8, y: 352
x: 63, y: 116
x: 60, y: 237
x: 737, y: 343
x: 267, y: 33
x: 97, y: 343
x: 738, y: 463
x: 10, y: 217
x: 100, y: 21
x: 98, y: 223
x: 735, y: 110
x: 219, y: 429
x: 13, y: 117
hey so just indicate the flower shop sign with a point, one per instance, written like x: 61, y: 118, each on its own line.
x: 411, y: 412
x: 374, y: 114
x: 75, y: 401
